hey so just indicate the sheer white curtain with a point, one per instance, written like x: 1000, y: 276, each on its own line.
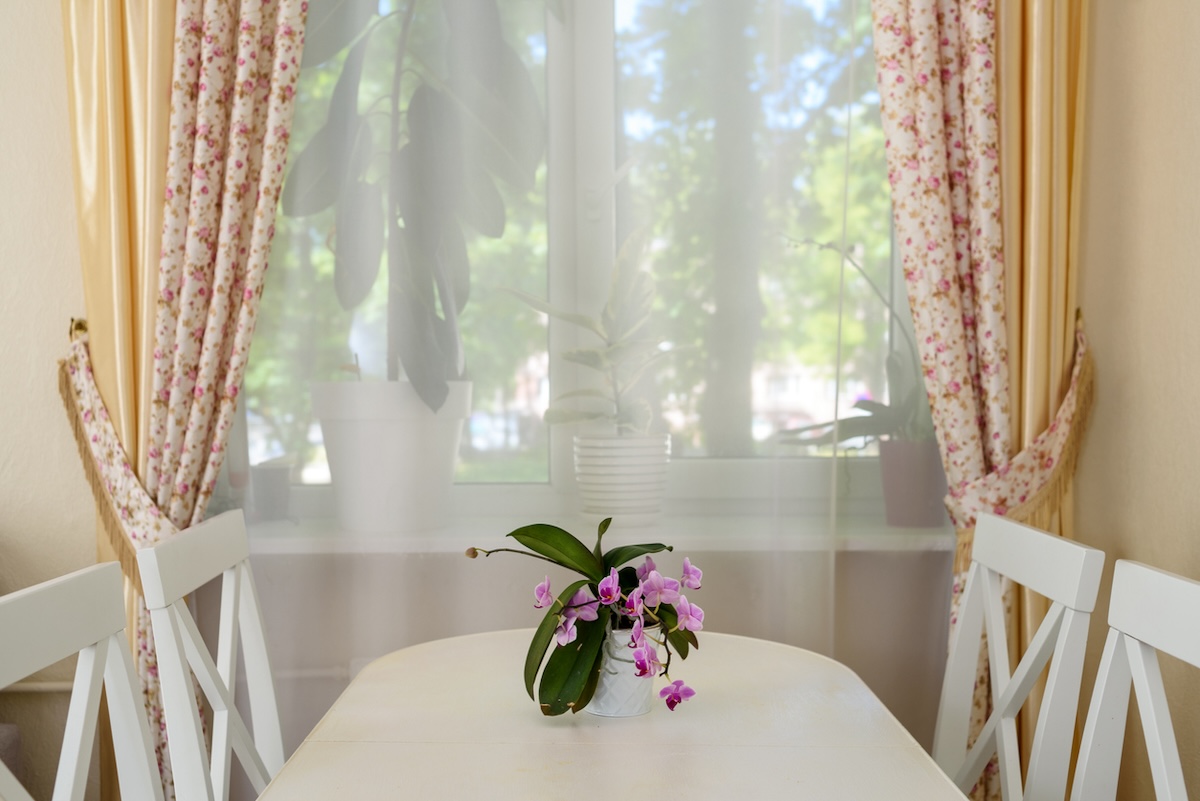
x: 742, y: 142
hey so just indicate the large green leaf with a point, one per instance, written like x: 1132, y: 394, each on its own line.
x: 622, y: 554
x: 544, y: 635
x: 569, y: 668
x: 506, y: 133
x: 498, y: 97
x: 481, y: 206
x: 313, y: 181
x: 414, y: 337
x: 333, y: 24
x: 358, y: 243
x: 589, y: 687
x: 561, y: 546
x: 322, y: 168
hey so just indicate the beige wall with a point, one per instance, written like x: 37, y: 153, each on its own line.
x: 47, y: 521
x: 1140, y: 291
x: 1138, y: 488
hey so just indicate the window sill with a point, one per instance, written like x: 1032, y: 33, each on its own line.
x: 690, y: 533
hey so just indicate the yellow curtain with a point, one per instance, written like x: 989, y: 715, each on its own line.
x: 1042, y: 46
x: 119, y: 83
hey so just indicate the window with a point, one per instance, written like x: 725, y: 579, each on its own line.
x: 741, y: 138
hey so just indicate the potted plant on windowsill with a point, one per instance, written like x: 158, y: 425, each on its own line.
x: 914, y: 483
x: 407, y: 173
x: 620, y: 465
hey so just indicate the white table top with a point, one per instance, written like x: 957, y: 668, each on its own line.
x: 450, y: 720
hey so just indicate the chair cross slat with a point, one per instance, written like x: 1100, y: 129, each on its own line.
x: 81, y: 613
x: 227, y: 648
x: 80, y: 729
x: 1069, y: 575
x: 1150, y: 610
x: 236, y: 734
x: 1017, y: 689
x: 170, y: 571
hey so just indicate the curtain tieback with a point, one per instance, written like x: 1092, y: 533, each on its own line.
x: 127, y: 513
x: 1038, y: 475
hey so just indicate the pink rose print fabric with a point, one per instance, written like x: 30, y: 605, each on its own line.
x: 235, y: 71
x: 937, y: 77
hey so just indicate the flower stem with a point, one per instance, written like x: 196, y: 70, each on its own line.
x: 486, y: 552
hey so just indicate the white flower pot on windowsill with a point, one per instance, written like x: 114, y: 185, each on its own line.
x: 622, y: 477
x: 391, y: 459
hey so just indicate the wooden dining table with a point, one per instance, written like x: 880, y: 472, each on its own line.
x: 450, y: 719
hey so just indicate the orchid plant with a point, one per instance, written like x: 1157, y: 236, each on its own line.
x: 612, y: 595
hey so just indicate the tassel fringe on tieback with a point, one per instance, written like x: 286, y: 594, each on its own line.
x: 107, y: 513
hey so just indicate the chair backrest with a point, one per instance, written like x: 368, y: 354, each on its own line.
x: 81, y: 613
x: 1068, y: 575
x: 171, y: 570
x: 1151, y: 610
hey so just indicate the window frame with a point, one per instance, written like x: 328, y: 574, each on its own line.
x: 581, y: 221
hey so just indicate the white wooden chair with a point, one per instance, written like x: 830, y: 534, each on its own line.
x: 1151, y: 610
x: 1068, y: 575
x: 83, y: 613
x: 171, y: 570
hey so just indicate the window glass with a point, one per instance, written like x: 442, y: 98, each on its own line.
x: 754, y: 137
x: 487, y: 72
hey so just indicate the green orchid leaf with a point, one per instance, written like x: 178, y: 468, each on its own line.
x: 545, y: 635
x: 680, y: 640
x: 600, y: 530
x: 589, y: 689
x: 627, y: 577
x: 624, y: 553
x: 569, y: 669
x: 560, y: 546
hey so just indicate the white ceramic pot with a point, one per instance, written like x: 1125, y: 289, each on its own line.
x: 391, y: 459
x: 621, y: 692
x: 622, y: 477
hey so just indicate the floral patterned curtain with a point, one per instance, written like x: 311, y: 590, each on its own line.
x: 234, y: 76
x: 938, y: 84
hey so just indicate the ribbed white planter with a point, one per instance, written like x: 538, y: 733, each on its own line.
x: 621, y: 692
x: 622, y: 477
x: 391, y: 459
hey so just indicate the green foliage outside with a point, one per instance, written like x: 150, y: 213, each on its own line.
x: 785, y: 182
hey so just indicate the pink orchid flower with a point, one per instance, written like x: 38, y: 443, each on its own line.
x: 566, y: 631
x: 633, y: 606
x: 610, y: 588
x: 691, y: 617
x: 659, y: 590
x: 542, y: 595
x: 646, y: 661
x: 676, y: 693
x: 581, y: 606
x: 645, y: 569
x: 691, y: 575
